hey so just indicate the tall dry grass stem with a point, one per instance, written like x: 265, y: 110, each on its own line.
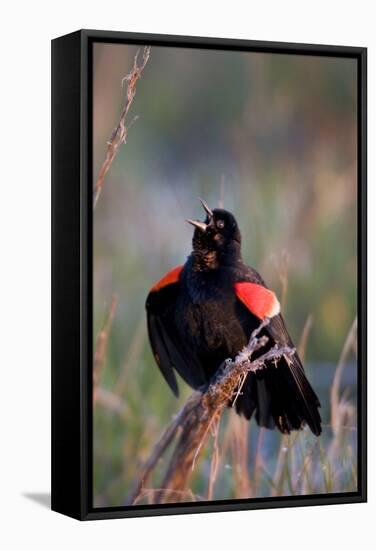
x: 120, y: 132
x: 335, y: 397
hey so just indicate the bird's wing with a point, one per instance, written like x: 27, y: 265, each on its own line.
x: 169, y: 349
x: 297, y: 380
x: 262, y: 302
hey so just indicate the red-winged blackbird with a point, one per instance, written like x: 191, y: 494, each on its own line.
x: 203, y: 312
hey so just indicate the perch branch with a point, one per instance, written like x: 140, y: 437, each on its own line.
x: 198, y: 416
x: 119, y: 133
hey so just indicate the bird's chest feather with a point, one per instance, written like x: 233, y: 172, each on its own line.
x: 208, y: 313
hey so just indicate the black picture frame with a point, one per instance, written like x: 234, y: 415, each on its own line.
x: 72, y: 257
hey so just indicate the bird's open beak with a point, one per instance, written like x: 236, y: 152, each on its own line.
x: 201, y: 225
x: 206, y: 208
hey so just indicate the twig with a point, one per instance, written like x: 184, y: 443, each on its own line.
x: 119, y: 133
x: 198, y: 414
x: 239, y: 390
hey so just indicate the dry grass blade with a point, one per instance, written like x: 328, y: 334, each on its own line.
x: 238, y: 429
x: 133, y: 354
x: 258, y: 462
x: 280, y: 467
x: 101, y: 346
x: 284, y: 277
x: 111, y: 402
x: 215, y: 459
x: 335, y: 398
x: 221, y: 202
x: 302, y: 346
x: 151, y: 495
x: 160, y: 447
x: 119, y: 133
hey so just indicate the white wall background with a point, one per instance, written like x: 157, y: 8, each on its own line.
x: 27, y: 28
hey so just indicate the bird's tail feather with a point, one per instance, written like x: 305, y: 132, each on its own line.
x: 280, y: 396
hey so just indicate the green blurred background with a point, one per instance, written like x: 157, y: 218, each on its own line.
x: 275, y: 137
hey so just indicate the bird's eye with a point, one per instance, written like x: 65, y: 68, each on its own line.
x: 220, y: 224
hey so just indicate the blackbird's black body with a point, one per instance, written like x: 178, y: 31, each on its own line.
x: 196, y: 320
x: 214, y: 322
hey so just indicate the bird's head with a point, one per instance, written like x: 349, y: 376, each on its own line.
x: 217, y: 239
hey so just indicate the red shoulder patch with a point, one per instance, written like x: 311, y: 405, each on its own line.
x: 170, y: 278
x: 260, y: 301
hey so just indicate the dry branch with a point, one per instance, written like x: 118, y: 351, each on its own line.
x: 119, y: 133
x: 200, y: 415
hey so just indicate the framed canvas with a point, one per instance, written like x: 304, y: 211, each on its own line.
x: 218, y: 364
